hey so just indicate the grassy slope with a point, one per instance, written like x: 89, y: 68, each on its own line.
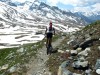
x: 11, y: 56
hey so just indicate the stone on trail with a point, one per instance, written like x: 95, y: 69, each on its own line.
x: 98, y: 71
x: 73, y: 52
x: 83, y: 53
x: 99, y: 47
x: 4, y: 67
x: 97, y: 66
x: 60, y: 51
x: 80, y: 64
x: 79, y: 49
x: 12, y: 69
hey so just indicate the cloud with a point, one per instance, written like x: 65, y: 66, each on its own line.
x: 83, y: 9
x: 21, y: 0
x: 92, y: 8
x: 96, y: 7
x: 74, y: 2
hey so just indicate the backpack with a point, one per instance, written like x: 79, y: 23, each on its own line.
x: 50, y: 29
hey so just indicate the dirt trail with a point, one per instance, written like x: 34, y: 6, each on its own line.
x: 38, y: 67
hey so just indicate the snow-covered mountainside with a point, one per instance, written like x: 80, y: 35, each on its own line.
x: 21, y: 22
x: 89, y: 16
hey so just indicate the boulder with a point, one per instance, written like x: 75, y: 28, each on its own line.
x: 65, y: 64
x: 62, y: 69
x: 83, y: 53
x: 81, y: 65
x: 4, y: 67
x: 98, y: 71
x: 97, y: 66
x: 87, y: 43
x: 73, y: 52
x: 88, y: 49
x: 82, y: 58
x: 67, y: 72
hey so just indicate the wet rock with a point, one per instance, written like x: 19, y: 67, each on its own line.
x: 97, y: 66
x: 73, y: 52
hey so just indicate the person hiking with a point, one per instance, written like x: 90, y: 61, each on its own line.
x: 50, y: 31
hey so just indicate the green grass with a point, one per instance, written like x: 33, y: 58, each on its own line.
x: 16, y: 57
x: 29, y: 50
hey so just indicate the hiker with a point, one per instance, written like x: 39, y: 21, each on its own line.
x: 50, y: 31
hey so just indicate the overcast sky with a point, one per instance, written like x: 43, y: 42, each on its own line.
x: 78, y: 5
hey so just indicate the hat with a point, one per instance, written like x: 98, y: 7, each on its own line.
x: 50, y: 24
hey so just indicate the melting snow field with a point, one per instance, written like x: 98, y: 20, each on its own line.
x: 13, y: 37
x: 19, y: 35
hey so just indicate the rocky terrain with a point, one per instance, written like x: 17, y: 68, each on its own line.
x: 22, y: 43
x: 78, y: 54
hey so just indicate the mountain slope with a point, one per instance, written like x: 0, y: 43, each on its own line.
x: 81, y: 47
x: 44, y: 12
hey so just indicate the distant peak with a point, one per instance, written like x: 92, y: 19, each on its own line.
x: 36, y: 1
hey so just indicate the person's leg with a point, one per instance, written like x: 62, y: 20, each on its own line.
x: 47, y: 40
x: 50, y: 39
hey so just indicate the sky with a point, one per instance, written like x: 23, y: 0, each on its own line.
x: 76, y: 5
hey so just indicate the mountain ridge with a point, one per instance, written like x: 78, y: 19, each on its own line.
x: 47, y: 11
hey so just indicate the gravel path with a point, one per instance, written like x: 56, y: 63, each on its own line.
x: 38, y: 67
